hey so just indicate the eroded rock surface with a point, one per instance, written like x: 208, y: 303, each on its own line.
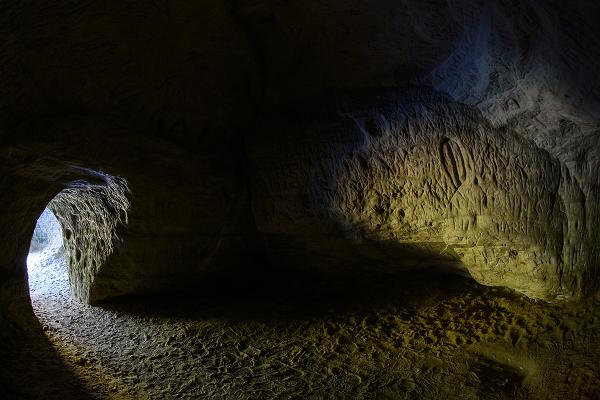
x: 90, y: 215
x: 464, y: 136
x: 174, y: 98
x: 414, y: 180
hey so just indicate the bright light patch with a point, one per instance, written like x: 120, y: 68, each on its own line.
x: 46, y: 265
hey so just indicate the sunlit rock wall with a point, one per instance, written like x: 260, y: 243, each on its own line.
x: 413, y: 180
x: 531, y: 67
x: 90, y: 215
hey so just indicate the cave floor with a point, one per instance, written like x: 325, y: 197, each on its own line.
x: 307, y: 337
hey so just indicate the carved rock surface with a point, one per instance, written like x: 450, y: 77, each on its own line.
x: 414, y: 179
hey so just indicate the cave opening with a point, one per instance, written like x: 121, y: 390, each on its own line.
x: 75, y: 237
x: 46, y: 262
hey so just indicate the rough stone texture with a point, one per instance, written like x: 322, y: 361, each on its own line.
x: 90, y: 216
x: 308, y: 47
x: 530, y: 66
x: 100, y: 88
x: 414, y: 180
x: 465, y: 137
x: 167, y: 95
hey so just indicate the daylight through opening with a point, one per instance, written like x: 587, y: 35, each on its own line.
x: 46, y: 263
x: 76, y: 236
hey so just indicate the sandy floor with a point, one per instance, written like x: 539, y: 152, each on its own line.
x: 312, y: 338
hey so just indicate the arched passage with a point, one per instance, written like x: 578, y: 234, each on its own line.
x: 169, y: 239
x: 86, y: 215
x: 46, y: 263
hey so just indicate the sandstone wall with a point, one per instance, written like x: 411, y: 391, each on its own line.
x: 411, y: 180
x: 491, y: 169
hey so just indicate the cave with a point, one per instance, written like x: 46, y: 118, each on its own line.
x: 278, y: 199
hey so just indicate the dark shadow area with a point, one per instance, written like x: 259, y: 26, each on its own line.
x: 291, y: 294
x: 30, y: 367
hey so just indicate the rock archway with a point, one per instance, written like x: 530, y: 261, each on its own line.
x: 104, y: 178
x: 91, y: 215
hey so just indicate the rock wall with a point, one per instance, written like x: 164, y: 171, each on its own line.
x: 409, y: 180
x: 491, y: 168
x: 90, y: 215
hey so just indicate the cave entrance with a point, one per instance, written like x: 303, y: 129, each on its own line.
x: 46, y: 261
x: 75, y: 236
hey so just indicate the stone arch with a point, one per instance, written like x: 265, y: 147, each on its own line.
x: 181, y: 209
x: 91, y: 207
x: 90, y: 214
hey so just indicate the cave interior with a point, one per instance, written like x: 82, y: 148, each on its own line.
x: 275, y: 199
